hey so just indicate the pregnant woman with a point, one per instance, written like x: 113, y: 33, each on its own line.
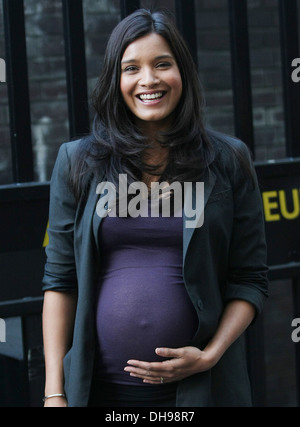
x: 143, y: 309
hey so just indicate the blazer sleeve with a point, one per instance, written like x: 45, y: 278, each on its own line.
x: 247, y: 275
x: 60, y: 269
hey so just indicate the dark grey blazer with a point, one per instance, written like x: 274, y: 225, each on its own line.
x: 224, y: 259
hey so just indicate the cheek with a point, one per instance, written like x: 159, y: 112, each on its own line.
x: 175, y: 83
x: 126, y: 89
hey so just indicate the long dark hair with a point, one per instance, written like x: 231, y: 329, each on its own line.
x: 116, y: 139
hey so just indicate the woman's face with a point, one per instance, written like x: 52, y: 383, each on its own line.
x: 151, y: 83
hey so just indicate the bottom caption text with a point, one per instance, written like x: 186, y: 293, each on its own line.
x: 138, y: 417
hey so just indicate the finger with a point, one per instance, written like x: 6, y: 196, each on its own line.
x: 147, y: 366
x: 137, y: 372
x: 168, y: 352
x: 147, y: 378
x: 151, y: 374
x: 139, y: 363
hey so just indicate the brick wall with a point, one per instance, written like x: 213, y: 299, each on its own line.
x: 48, y: 80
x: 47, y: 77
x: 215, y: 70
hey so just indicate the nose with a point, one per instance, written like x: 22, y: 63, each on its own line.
x: 149, y: 78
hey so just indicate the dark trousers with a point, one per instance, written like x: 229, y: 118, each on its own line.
x: 105, y: 394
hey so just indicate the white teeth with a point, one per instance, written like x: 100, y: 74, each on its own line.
x: 152, y: 96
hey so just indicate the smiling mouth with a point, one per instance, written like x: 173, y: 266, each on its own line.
x: 147, y: 97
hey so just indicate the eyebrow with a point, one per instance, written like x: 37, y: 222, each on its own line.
x: 128, y: 61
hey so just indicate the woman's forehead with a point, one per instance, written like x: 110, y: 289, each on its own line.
x: 150, y: 44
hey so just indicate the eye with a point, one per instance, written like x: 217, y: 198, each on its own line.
x: 163, y: 65
x: 130, y: 69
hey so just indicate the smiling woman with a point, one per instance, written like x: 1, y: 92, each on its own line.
x: 145, y: 310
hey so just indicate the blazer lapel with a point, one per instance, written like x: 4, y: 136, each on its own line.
x: 209, y: 182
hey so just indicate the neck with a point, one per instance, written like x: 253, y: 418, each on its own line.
x: 155, y: 155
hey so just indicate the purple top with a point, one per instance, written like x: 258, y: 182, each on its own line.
x: 141, y: 301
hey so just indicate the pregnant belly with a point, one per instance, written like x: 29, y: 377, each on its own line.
x: 136, y: 314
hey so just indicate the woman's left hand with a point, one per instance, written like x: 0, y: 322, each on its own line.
x: 182, y: 362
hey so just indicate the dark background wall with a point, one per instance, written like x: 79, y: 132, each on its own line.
x: 49, y: 115
x: 48, y: 93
